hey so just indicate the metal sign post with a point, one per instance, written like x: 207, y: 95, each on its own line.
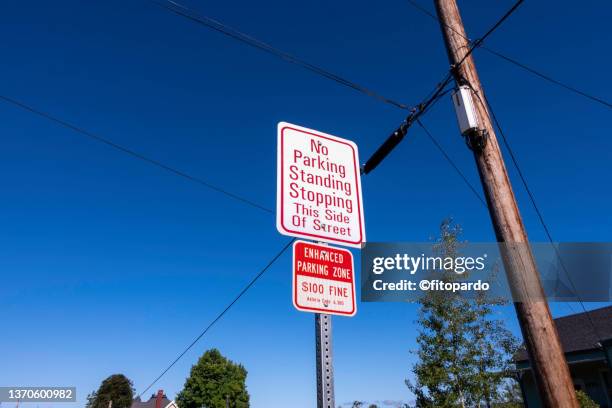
x: 319, y: 198
x: 325, y: 367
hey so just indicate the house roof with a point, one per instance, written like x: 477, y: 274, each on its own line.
x: 151, y: 403
x: 576, y: 331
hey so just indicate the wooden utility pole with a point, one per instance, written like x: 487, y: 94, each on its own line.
x: 539, y: 332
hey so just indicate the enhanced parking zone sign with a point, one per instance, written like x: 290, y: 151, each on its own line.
x: 318, y: 187
x: 323, y: 279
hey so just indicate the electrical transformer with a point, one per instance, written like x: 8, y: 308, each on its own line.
x: 465, y: 110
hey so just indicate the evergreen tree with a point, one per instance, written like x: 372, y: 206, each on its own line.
x: 116, y: 388
x: 464, y: 353
x: 213, y: 379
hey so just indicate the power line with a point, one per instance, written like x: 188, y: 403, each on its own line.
x: 505, y: 140
x: 220, y: 315
x: 548, y: 78
x: 507, y: 144
x: 495, y: 26
x: 457, y: 169
x: 396, y: 137
x: 513, y: 61
x: 438, y: 145
x: 218, y: 26
x: 133, y: 153
x: 569, y: 306
x: 419, y: 110
x: 237, y: 35
x: 181, y: 174
x: 423, y: 10
x: 487, y: 105
x: 398, y: 134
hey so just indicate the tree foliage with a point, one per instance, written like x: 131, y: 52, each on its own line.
x: 464, y: 354
x: 585, y: 401
x: 116, y: 388
x: 213, y: 379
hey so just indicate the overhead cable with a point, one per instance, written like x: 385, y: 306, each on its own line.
x: 219, y: 316
x: 133, y: 153
x: 514, y: 61
x: 218, y: 26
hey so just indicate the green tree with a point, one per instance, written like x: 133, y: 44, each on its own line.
x: 213, y: 379
x: 464, y: 354
x: 585, y: 401
x: 116, y: 388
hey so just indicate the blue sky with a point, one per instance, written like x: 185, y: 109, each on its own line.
x: 112, y: 265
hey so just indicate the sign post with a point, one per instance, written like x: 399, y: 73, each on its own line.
x: 319, y: 198
x: 323, y: 282
x: 325, y: 368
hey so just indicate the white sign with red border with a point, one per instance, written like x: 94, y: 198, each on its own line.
x: 318, y: 187
x: 323, y: 279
